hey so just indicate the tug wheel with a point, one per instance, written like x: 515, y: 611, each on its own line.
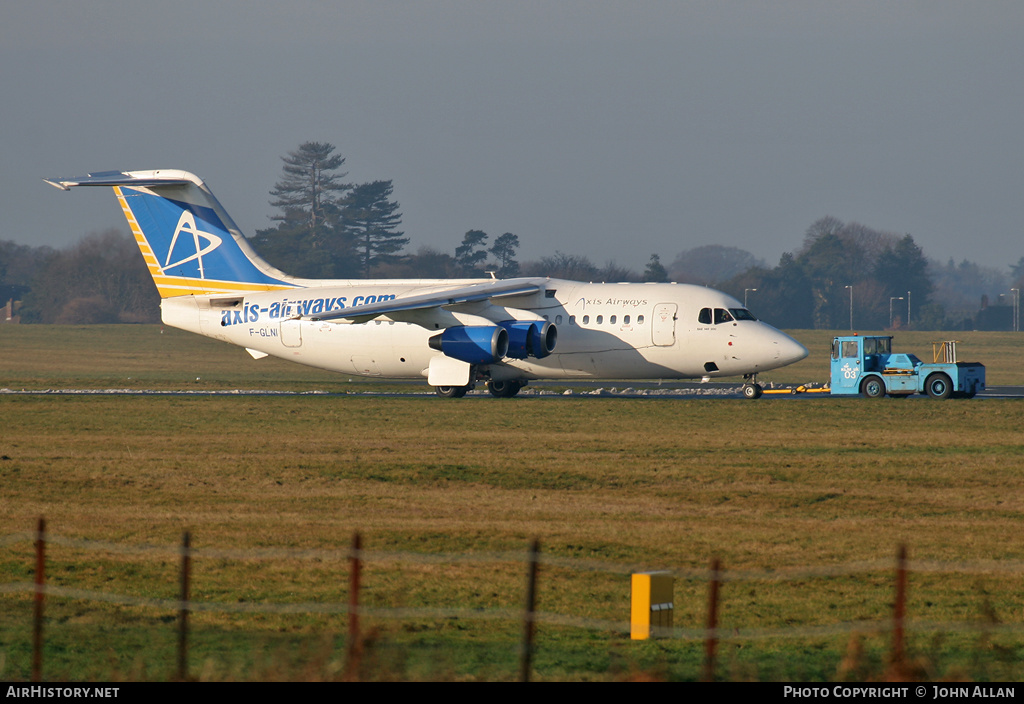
x: 938, y: 386
x: 873, y: 387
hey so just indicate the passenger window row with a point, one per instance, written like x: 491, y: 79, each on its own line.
x: 599, y: 320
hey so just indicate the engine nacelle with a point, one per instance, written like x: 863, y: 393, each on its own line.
x: 475, y: 344
x: 530, y: 338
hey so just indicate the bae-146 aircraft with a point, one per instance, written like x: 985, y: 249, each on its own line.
x: 453, y: 333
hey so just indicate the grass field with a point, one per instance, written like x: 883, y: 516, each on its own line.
x: 804, y: 500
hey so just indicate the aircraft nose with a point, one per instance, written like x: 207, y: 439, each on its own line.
x: 788, y: 350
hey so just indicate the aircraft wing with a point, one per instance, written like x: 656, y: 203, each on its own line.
x: 446, y: 298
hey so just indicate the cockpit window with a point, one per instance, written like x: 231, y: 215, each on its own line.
x: 705, y: 316
x: 877, y: 345
x: 722, y: 316
x: 742, y: 314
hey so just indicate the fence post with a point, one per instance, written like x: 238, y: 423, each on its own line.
x: 711, y: 637
x: 186, y: 569
x: 899, y: 608
x: 355, y: 646
x: 37, y: 609
x: 526, y: 655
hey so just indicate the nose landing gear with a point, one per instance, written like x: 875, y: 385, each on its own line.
x: 752, y: 389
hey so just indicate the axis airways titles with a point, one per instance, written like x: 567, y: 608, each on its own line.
x: 624, y: 302
x: 252, y: 312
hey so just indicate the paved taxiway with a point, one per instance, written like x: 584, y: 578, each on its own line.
x: 579, y: 389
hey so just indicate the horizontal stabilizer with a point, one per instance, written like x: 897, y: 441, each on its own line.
x: 164, y: 177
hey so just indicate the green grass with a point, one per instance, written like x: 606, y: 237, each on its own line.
x: 773, y: 488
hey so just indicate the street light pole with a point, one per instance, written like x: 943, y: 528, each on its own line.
x: 745, y: 295
x: 908, y: 309
x: 891, y: 299
x: 851, y: 306
x: 1016, y: 309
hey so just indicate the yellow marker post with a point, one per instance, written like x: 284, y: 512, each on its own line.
x: 651, y: 610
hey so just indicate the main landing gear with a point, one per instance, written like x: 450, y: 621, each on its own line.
x: 451, y: 391
x: 498, y: 389
x: 504, y: 389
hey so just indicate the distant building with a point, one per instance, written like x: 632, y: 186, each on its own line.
x: 994, y: 317
x: 11, y: 309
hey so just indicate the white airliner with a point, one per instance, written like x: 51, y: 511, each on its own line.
x: 453, y: 333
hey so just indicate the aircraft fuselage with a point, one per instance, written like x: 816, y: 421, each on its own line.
x: 620, y: 331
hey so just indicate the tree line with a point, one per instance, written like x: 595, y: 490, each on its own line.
x: 327, y: 227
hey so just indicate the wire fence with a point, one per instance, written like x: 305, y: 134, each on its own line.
x: 894, y: 623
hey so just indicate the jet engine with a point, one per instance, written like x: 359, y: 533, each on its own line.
x: 530, y: 338
x: 475, y: 344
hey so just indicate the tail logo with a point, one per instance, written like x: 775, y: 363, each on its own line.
x: 187, y: 226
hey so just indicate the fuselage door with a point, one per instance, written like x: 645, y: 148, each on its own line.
x: 663, y: 326
x: 291, y: 333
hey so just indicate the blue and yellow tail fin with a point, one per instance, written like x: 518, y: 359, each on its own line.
x: 190, y: 244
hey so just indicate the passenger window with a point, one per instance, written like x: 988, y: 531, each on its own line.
x: 572, y: 320
x: 640, y: 319
x: 625, y: 320
x: 586, y: 319
x: 558, y: 320
x: 612, y: 320
x: 600, y: 319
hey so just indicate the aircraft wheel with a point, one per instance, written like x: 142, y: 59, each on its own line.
x: 451, y: 391
x: 504, y: 389
x: 752, y: 391
x: 938, y: 386
x: 873, y: 387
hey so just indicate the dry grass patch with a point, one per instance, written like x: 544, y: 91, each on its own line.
x: 771, y: 487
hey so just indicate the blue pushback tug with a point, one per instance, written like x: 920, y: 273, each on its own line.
x: 867, y: 365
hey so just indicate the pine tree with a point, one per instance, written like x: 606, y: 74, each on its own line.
x: 903, y: 268
x: 309, y: 240
x: 471, y: 255
x: 655, y: 271
x: 309, y: 190
x: 370, y: 218
x: 504, y: 251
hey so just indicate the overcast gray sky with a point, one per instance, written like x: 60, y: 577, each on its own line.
x: 609, y: 129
